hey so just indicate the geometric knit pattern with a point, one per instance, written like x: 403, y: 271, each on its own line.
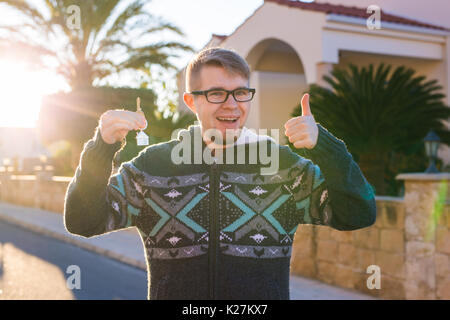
x: 257, y: 214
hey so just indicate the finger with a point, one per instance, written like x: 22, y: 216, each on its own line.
x: 292, y: 121
x: 137, y: 116
x: 298, y: 136
x: 121, y: 134
x: 125, y: 121
x: 113, y: 129
x: 303, y: 143
x: 295, y: 121
x: 306, y: 110
x: 143, y: 126
x: 127, y: 116
x: 296, y: 128
x: 140, y: 116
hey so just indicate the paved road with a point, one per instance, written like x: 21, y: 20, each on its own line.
x: 33, y: 266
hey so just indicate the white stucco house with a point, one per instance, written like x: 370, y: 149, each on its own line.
x: 291, y: 44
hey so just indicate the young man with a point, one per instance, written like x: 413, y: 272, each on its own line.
x: 217, y: 229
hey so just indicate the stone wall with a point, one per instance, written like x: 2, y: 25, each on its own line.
x: 442, y: 257
x: 341, y: 257
x: 410, y: 241
x: 427, y: 236
x: 42, y: 192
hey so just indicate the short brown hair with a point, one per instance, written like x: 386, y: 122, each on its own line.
x: 216, y: 56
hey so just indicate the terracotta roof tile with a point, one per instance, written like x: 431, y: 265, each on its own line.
x: 219, y: 36
x: 354, y: 12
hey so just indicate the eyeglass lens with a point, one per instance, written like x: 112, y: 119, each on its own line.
x: 240, y: 95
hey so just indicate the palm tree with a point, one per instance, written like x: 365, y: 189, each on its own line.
x: 110, y: 38
x: 377, y: 113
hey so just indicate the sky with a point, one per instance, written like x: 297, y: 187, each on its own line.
x: 201, y: 18
x: 198, y: 19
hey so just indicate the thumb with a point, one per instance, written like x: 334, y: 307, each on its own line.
x: 306, y: 110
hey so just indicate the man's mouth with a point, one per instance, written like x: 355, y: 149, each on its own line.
x: 227, y: 119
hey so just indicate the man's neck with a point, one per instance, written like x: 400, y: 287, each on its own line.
x: 230, y: 141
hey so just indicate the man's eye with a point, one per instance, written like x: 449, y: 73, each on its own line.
x: 216, y: 93
x: 242, y: 93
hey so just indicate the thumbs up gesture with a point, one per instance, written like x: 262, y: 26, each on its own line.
x: 303, y: 131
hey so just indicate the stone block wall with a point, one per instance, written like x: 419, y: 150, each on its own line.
x: 342, y: 257
x: 410, y: 243
x: 442, y: 256
x: 38, y: 192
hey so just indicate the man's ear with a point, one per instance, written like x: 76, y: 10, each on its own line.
x: 189, y: 101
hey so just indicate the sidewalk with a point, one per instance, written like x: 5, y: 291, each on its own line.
x: 126, y: 246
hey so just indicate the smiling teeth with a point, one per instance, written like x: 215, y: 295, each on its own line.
x: 227, y: 119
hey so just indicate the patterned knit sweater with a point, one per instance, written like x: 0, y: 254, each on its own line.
x: 217, y: 231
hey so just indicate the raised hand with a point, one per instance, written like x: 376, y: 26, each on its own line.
x: 303, y: 131
x: 115, y: 124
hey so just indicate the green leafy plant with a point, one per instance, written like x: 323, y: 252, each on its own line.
x: 380, y: 114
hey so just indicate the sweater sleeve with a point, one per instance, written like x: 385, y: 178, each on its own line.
x: 340, y: 196
x: 95, y: 201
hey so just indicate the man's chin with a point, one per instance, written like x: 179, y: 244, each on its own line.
x: 231, y: 135
x: 223, y: 137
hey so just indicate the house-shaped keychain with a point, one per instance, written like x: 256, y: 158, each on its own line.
x: 141, y: 137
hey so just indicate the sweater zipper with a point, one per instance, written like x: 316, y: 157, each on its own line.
x: 213, y: 235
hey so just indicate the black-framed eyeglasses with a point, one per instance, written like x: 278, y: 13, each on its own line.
x: 221, y: 95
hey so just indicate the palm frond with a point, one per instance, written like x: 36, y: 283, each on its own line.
x: 108, y: 28
x: 373, y: 111
x: 132, y: 10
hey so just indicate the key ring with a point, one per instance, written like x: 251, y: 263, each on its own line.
x: 141, y: 137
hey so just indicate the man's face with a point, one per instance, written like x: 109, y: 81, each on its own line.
x: 211, y: 115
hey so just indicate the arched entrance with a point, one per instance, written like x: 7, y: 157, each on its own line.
x: 278, y: 75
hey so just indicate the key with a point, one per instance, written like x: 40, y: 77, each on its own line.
x: 141, y: 137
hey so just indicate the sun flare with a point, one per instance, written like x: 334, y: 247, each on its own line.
x: 21, y: 93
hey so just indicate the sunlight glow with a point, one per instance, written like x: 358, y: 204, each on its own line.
x: 21, y: 92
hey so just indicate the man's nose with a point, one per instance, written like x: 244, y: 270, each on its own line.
x: 230, y: 102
